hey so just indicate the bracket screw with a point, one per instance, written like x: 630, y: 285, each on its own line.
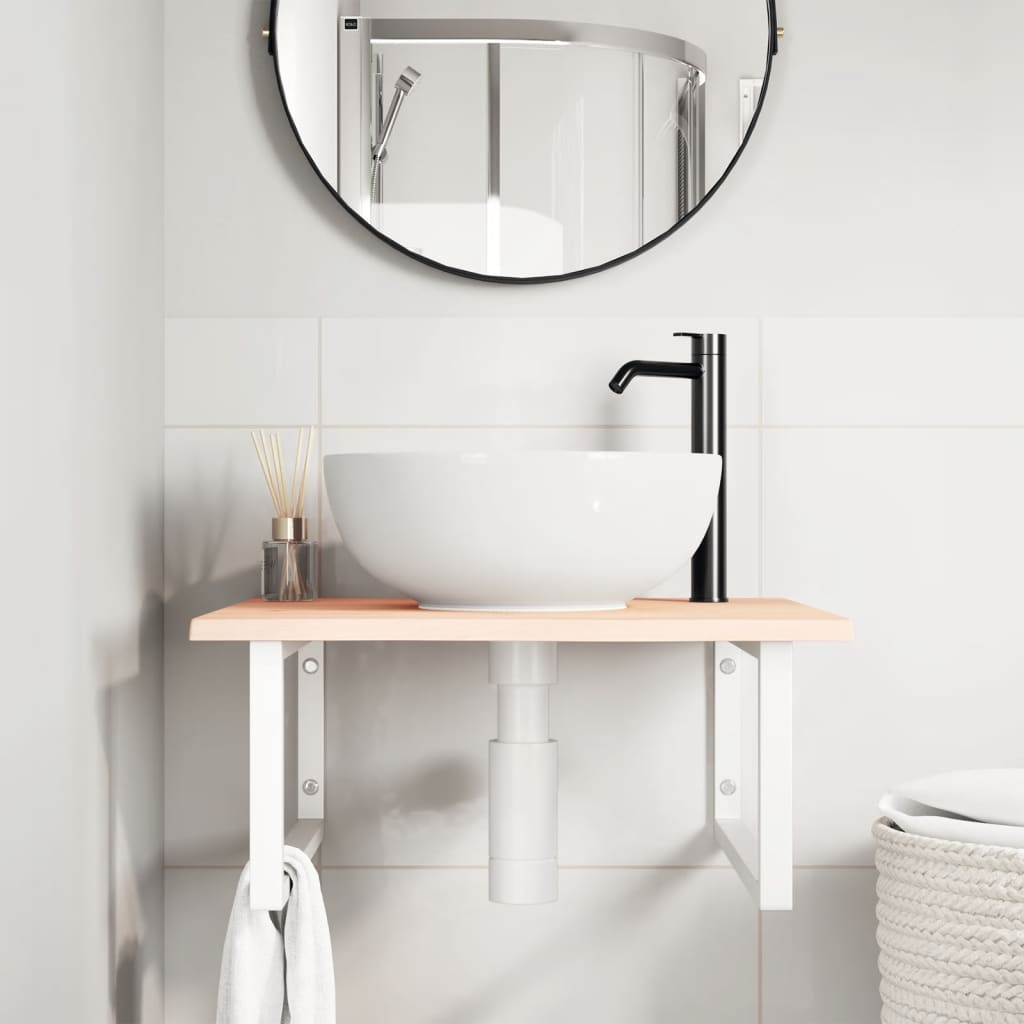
x: 727, y: 666
x: 311, y: 666
x: 311, y: 787
x: 727, y: 787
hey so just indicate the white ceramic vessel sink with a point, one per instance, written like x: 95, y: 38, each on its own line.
x: 522, y: 531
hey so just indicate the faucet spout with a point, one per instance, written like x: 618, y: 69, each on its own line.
x: 649, y: 368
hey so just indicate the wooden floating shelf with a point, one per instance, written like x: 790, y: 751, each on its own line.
x: 753, y: 668
x: 644, y: 621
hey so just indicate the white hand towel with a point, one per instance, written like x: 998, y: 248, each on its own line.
x: 267, y: 977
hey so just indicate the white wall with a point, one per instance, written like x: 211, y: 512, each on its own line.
x: 870, y: 472
x: 884, y: 193
x: 80, y: 315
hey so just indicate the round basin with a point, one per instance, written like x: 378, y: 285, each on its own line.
x: 522, y: 531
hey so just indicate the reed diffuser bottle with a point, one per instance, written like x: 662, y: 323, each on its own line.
x: 289, y: 557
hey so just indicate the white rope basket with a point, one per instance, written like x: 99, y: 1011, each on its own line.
x: 950, y: 930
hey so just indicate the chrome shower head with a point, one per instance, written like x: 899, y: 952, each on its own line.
x: 406, y: 81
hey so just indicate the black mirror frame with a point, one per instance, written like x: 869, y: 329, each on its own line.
x: 772, y: 52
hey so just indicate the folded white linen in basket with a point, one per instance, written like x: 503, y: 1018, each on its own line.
x: 984, y: 806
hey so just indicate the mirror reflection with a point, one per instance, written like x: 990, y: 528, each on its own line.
x: 521, y: 148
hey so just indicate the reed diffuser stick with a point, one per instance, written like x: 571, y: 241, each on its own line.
x: 294, y: 492
x: 305, y: 470
x: 267, y: 448
x: 276, y: 439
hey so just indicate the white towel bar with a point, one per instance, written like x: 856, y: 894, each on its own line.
x: 306, y: 835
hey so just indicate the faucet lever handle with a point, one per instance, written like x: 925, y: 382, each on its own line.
x: 707, y: 344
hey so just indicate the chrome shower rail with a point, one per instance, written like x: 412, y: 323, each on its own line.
x: 550, y: 33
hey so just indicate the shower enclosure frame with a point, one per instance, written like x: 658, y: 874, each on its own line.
x: 774, y: 34
x: 359, y: 100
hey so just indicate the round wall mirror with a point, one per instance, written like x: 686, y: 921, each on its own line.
x: 518, y: 149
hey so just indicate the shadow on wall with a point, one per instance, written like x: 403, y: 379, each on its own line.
x: 130, y: 720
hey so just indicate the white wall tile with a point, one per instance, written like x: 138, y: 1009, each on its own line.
x: 240, y: 372
x: 631, y: 721
x: 820, y: 959
x: 895, y: 372
x: 520, y: 372
x: 407, y: 728
x: 912, y: 534
x: 197, y: 902
x: 343, y: 577
x: 217, y: 514
x: 412, y: 947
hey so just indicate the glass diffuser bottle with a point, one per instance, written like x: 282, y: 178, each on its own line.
x: 289, y: 561
x: 289, y: 567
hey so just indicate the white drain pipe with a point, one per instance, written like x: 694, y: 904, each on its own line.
x: 523, y: 776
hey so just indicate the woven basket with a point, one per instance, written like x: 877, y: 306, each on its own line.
x: 950, y: 930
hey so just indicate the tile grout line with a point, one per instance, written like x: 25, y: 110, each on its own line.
x: 761, y: 547
x: 466, y: 867
x: 760, y: 966
x: 320, y: 449
x: 453, y: 426
x: 600, y: 426
x: 761, y: 460
x: 563, y: 867
x: 894, y: 426
x: 709, y: 319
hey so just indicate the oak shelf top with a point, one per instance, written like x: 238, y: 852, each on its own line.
x: 396, y: 619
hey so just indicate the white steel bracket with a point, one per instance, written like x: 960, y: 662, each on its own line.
x: 267, y: 839
x: 753, y: 716
x: 750, y: 96
x: 753, y: 759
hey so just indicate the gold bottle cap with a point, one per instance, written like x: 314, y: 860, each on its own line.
x: 288, y: 528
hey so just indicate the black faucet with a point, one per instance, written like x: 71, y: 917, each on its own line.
x: 707, y: 371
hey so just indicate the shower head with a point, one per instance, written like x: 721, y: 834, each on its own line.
x: 406, y: 81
